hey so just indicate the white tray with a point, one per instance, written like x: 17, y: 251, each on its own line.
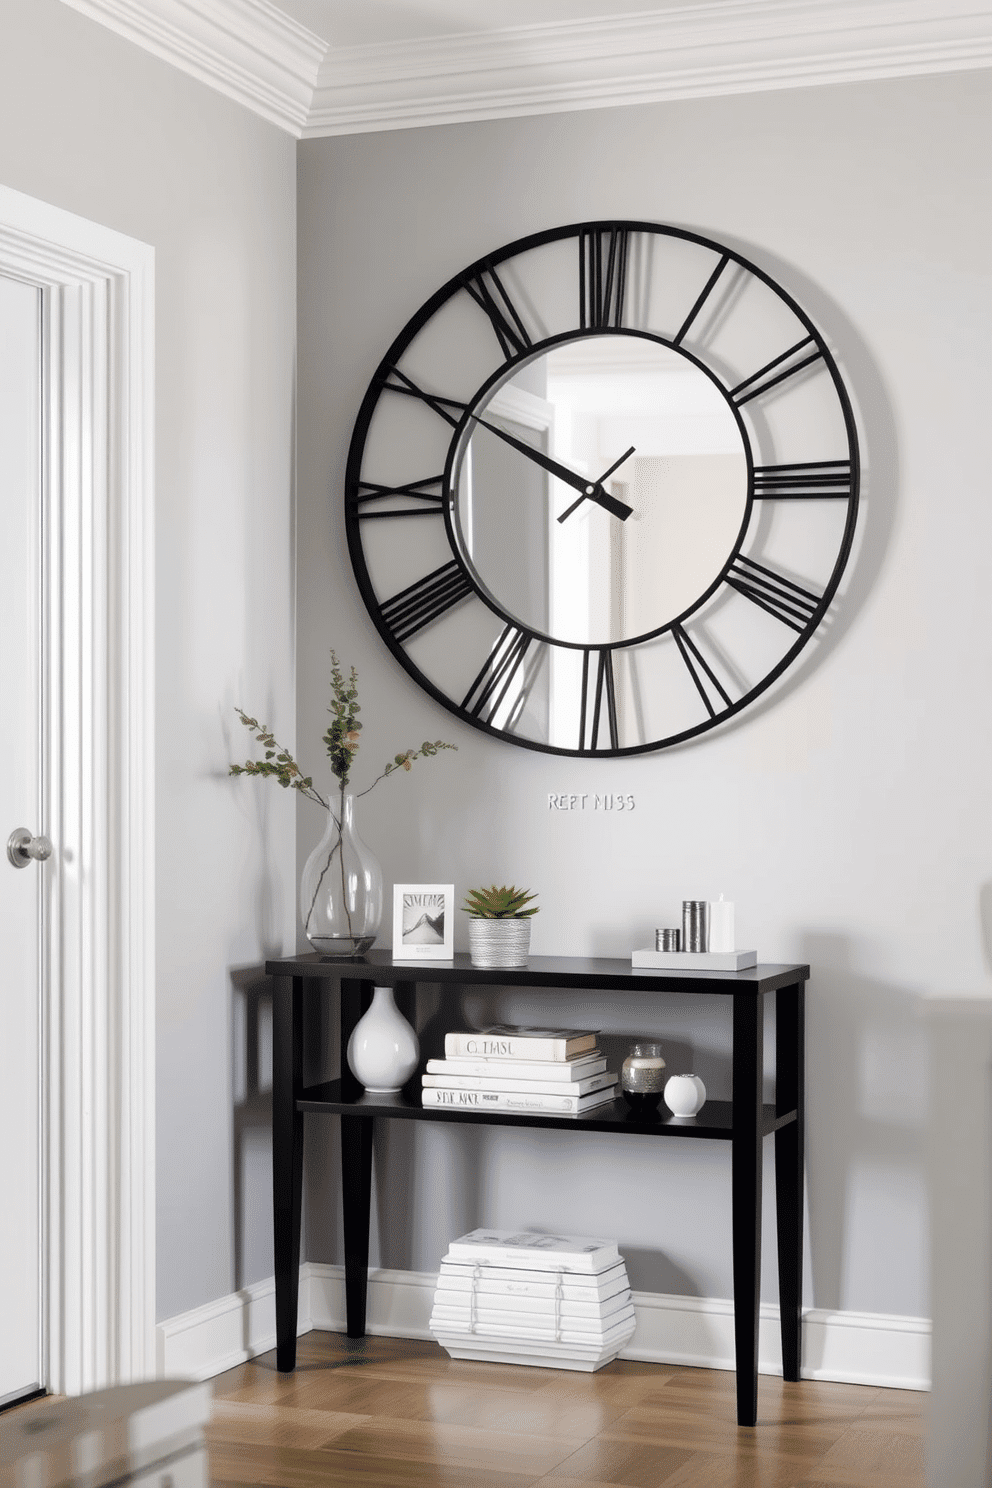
x: 694, y: 960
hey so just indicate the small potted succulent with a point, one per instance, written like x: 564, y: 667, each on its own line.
x: 499, y: 925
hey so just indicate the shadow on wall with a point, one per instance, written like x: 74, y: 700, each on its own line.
x: 960, y: 1165
x: 267, y: 888
x: 322, y: 1215
x: 866, y: 1093
x: 251, y: 1124
x: 420, y: 1171
x: 985, y: 921
x: 653, y: 1271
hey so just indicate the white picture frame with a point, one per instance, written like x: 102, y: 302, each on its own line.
x: 423, y: 922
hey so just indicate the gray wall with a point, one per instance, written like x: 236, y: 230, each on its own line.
x: 847, y: 817
x: 847, y: 820
x: 96, y: 126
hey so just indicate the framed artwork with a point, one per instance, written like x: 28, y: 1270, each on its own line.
x: 423, y: 922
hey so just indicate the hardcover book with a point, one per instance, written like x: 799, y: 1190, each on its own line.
x: 506, y: 1042
x: 520, y: 1086
x: 524, y: 1297
x: 530, y: 1311
x: 569, y: 1332
x: 544, y: 1355
x: 504, y: 1100
x: 561, y: 1071
x: 507, y: 1281
x: 533, y: 1250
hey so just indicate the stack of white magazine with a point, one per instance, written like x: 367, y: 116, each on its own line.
x: 557, y: 1301
x: 549, y: 1071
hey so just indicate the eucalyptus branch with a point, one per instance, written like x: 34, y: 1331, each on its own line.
x: 341, y: 740
x: 278, y: 763
x: 405, y: 760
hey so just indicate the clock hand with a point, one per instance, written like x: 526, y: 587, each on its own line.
x: 590, y: 489
x: 579, y: 482
x: 618, y: 508
x: 616, y: 465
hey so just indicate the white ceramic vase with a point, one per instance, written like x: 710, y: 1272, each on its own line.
x: 684, y: 1095
x: 383, y: 1049
x: 498, y: 942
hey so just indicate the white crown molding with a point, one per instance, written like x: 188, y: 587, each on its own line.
x: 249, y: 50
x: 854, y: 1347
x: 696, y: 49
x: 253, y: 52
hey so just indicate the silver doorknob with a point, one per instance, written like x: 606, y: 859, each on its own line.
x: 22, y: 848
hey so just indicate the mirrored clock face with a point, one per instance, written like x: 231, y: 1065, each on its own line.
x: 621, y: 471
x: 602, y: 489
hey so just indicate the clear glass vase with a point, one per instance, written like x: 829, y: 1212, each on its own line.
x: 341, y: 887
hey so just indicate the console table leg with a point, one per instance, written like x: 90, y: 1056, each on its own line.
x: 746, y: 1182
x: 789, y: 1143
x: 287, y: 1163
x: 356, y: 1195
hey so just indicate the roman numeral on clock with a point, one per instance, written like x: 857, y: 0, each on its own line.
x: 778, y: 370
x: 450, y: 409
x: 772, y: 592
x: 703, y: 296
x: 700, y: 671
x: 487, y: 290
x: 427, y: 600
x: 595, y: 692
x: 810, y: 480
x: 504, y: 663
x: 602, y: 278
x: 427, y: 493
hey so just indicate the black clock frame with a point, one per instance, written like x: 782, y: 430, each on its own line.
x: 601, y: 293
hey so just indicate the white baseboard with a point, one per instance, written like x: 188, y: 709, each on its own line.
x: 857, y: 1348
x: 860, y: 1348
x: 219, y: 1335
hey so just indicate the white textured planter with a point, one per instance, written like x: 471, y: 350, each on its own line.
x: 498, y: 942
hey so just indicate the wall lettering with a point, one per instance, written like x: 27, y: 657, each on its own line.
x: 589, y: 801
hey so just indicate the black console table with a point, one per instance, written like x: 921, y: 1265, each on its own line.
x: 744, y: 1121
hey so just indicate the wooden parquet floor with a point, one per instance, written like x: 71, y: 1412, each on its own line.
x: 396, y: 1413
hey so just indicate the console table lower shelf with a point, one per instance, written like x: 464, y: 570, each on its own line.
x: 744, y: 1121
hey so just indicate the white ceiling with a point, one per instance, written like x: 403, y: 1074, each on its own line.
x: 321, y: 67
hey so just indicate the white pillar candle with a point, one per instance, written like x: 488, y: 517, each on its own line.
x: 722, y: 925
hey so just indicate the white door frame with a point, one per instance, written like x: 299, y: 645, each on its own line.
x: 98, y: 1075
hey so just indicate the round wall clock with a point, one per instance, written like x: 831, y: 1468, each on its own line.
x: 602, y: 488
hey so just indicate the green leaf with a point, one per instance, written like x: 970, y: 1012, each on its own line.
x: 504, y: 903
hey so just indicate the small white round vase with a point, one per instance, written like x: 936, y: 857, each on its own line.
x: 684, y: 1095
x: 383, y: 1049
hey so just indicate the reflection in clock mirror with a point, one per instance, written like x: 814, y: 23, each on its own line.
x: 599, y: 577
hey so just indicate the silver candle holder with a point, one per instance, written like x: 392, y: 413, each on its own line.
x: 695, y: 924
x: 668, y: 940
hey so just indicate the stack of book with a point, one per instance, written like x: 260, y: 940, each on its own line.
x: 547, y: 1071
x: 556, y: 1301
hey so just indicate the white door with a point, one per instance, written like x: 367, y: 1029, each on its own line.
x: 21, y: 889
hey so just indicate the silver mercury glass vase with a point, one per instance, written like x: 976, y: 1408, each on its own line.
x: 642, y: 1078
